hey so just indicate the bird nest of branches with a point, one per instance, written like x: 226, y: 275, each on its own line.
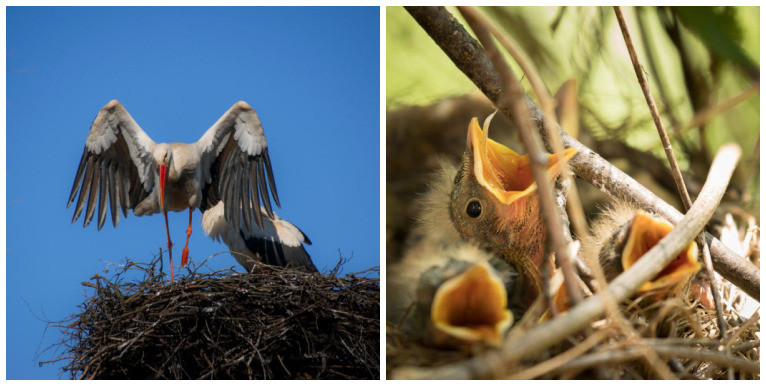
x: 645, y: 339
x: 273, y: 323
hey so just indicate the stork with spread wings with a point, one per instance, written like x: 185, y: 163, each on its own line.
x: 226, y: 174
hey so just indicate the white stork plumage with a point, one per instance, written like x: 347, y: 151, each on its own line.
x: 227, y: 169
x: 277, y: 243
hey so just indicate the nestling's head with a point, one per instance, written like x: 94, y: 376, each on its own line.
x: 494, y: 190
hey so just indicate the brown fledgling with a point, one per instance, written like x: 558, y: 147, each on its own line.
x: 453, y: 297
x: 445, y: 291
x: 494, y: 202
x: 620, y: 237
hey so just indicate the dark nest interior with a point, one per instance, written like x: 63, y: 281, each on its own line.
x: 275, y: 323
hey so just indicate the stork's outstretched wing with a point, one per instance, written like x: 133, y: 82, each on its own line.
x: 116, y: 166
x: 278, y: 242
x: 235, y: 165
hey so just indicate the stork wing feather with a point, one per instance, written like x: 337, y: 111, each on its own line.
x: 235, y: 165
x: 116, y: 166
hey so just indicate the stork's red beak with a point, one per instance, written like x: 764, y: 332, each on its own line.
x: 163, y: 171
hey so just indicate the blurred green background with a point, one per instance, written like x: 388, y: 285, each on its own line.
x: 696, y: 59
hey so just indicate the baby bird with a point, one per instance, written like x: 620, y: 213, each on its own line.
x: 623, y: 234
x: 445, y: 291
x: 620, y: 237
x: 494, y: 202
x: 455, y: 297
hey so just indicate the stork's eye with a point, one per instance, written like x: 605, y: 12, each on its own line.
x: 473, y: 209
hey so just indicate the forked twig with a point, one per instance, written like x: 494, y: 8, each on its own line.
x: 578, y: 217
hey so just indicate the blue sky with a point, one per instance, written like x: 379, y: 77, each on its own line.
x: 312, y: 75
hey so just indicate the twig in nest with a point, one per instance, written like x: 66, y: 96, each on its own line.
x: 271, y: 323
x: 620, y: 288
x: 632, y: 353
x: 563, y: 358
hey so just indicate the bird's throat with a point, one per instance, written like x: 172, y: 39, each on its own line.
x: 522, y: 235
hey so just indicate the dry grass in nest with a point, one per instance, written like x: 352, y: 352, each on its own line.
x: 680, y: 334
x: 274, y: 323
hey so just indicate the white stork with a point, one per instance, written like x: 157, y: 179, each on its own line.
x: 277, y: 243
x: 226, y: 169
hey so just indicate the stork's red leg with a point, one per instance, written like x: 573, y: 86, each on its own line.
x: 185, y: 254
x: 170, y: 245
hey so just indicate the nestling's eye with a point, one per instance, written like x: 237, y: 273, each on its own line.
x: 473, y: 209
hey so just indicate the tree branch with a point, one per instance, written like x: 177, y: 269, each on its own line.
x: 467, y: 55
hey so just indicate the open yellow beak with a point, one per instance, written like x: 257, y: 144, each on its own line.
x: 472, y: 307
x: 645, y: 232
x: 502, y: 171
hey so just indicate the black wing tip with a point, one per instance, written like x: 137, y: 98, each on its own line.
x: 258, y: 219
x: 270, y: 177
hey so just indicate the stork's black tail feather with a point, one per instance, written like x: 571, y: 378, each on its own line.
x: 273, y: 252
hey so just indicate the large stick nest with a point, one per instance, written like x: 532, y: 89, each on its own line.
x: 273, y: 323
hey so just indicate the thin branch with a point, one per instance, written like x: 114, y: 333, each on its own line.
x: 581, y: 315
x: 547, y: 103
x: 744, y: 327
x: 511, y: 103
x: 747, y: 346
x: 651, y: 53
x: 709, y: 112
x: 465, y: 52
x: 674, y: 169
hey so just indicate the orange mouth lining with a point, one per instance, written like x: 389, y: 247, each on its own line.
x: 501, y: 170
x: 472, y: 306
x: 645, y: 233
